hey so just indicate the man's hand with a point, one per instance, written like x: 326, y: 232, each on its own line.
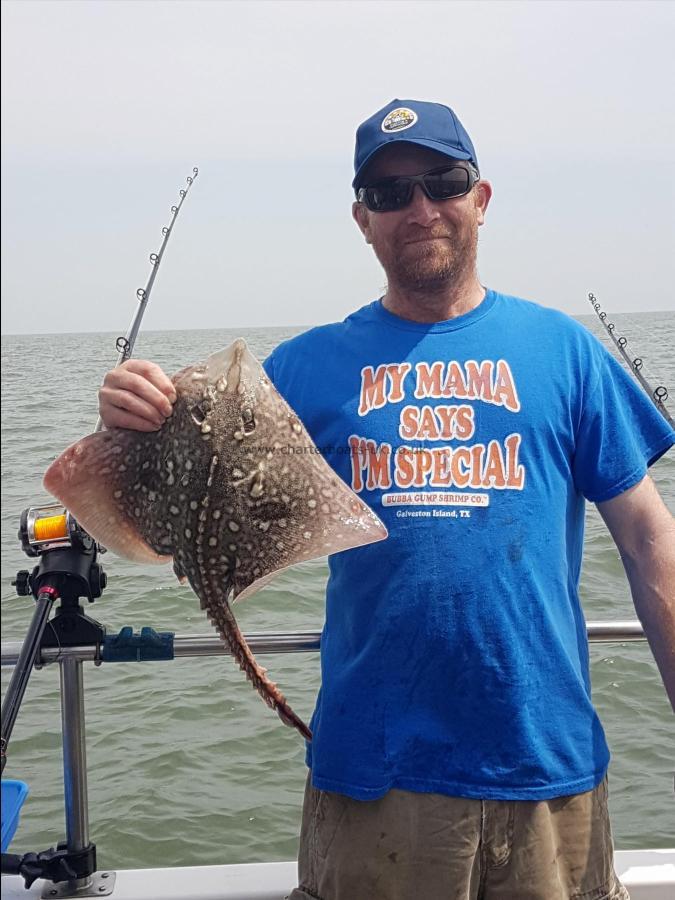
x: 644, y: 532
x: 138, y: 395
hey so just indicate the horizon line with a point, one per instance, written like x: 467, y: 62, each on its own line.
x: 636, y: 312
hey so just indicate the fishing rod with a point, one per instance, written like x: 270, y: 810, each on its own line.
x: 125, y: 345
x: 658, y: 395
x: 67, y: 569
x: 67, y: 555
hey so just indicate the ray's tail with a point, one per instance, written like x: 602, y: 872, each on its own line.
x: 222, y: 617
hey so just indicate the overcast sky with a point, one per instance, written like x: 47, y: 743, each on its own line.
x: 107, y: 106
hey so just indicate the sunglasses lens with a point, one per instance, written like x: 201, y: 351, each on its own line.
x: 446, y: 183
x: 386, y: 196
x: 395, y: 193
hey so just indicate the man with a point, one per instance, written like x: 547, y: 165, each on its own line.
x: 456, y: 752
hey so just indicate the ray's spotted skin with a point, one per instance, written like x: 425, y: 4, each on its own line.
x: 231, y: 489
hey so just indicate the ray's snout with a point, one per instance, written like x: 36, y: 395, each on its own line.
x: 233, y: 370
x: 234, y: 364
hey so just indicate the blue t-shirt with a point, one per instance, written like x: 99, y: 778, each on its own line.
x: 454, y: 656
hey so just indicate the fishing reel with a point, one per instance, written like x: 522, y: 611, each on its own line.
x: 67, y: 570
x: 45, y: 528
x: 66, y: 552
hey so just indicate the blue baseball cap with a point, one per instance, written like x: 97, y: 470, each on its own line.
x: 415, y: 122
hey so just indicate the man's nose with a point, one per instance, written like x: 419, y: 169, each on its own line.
x: 422, y: 210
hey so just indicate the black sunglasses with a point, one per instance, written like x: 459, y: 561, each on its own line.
x: 390, y: 194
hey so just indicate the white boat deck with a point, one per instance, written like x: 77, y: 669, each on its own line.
x: 648, y: 875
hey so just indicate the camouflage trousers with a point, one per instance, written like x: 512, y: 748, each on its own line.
x: 411, y: 846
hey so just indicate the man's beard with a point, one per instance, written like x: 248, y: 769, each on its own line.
x: 430, y: 266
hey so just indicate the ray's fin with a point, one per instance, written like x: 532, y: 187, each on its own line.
x: 85, y: 478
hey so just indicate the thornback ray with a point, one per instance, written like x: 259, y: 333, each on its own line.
x: 231, y: 490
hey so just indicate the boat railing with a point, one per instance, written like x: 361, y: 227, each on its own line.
x: 185, y: 645
x: 71, y: 659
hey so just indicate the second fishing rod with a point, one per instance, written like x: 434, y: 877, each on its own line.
x: 658, y: 395
x: 66, y: 568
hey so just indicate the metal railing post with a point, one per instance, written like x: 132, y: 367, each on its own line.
x: 74, y: 760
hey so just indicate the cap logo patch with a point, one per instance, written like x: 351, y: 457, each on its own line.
x: 398, y: 119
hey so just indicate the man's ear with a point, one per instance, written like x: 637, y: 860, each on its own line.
x: 483, y: 193
x: 362, y: 218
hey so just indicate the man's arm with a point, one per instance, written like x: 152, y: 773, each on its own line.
x: 644, y: 532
